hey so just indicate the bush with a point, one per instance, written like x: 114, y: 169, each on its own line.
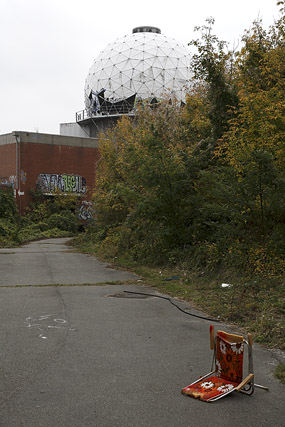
x: 280, y: 372
x: 32, y: 232
x: 55, y: 232
x: 7, y: 204
x: 64, y: 220
x: 45, y: 218
x: 8, y: 229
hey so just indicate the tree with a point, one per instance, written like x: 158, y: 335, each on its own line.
x: 213, y: 65
x: 254, y: 143
x: 145, y: 189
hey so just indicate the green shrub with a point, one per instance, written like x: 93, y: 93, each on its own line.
x: 8, y: 207
x: 280, y: 372
x: 6, y: 241
x: 8, y: 228
x: 38, y: 212
x: 31, y: 232
x: 55, y: 232
x: 45, y: 218
x: 64, y: 220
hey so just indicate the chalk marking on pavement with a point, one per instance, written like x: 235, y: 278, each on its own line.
x: 31, y: 322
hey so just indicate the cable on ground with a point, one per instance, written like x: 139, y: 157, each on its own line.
x: 175, y: 305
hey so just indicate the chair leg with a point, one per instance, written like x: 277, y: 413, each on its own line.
x: 261, y: 386
x: 250, y: 364
x: 248, y: 389
x: 247, y: 385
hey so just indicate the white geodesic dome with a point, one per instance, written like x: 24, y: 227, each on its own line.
x: 145, y: 65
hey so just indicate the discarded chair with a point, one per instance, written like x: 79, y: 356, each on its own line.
x: 227, y: 369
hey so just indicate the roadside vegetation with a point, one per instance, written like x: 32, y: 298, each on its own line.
x: 199, y: 192
x: 46, y: 218
x: 280, y: 372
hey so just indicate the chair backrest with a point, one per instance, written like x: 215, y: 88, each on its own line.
x: 229, y: 356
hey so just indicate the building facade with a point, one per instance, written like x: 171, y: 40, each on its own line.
x: 50, y: 163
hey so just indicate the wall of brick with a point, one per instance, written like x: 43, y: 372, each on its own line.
x: 39, y: 159
x: 7, y: 164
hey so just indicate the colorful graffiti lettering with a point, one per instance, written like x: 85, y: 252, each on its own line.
x: 9, y: 181
x: 49, y: 183
x: 85, y: 211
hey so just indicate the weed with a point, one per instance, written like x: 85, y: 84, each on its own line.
x: 280, y: 372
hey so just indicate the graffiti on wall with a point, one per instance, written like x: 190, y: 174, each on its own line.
x: 9, y: 181
x: 85, y: 211
x: 23, y: 177
x: 49, y: 183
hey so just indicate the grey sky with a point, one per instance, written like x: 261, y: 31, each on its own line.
x: 47, y: 47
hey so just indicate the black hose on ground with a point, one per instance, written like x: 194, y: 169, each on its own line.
x: 175, y: 305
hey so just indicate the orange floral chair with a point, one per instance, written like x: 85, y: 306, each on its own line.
x: 228, y: 373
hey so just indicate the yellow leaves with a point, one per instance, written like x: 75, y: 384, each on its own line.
x: 196, y: 115
x: 262, y: 262
x: 259, y: 123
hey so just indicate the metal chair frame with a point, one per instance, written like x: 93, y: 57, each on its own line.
x: 247, y: 384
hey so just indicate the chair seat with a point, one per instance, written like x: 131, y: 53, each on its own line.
x: 209, y: 389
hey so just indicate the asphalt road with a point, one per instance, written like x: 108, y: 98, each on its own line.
x: 80, y: 356
x: 52, y: 262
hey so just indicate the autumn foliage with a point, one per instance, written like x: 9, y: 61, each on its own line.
x: 204, y: 183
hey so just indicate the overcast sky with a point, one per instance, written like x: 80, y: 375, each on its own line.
x: 48, y: 46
